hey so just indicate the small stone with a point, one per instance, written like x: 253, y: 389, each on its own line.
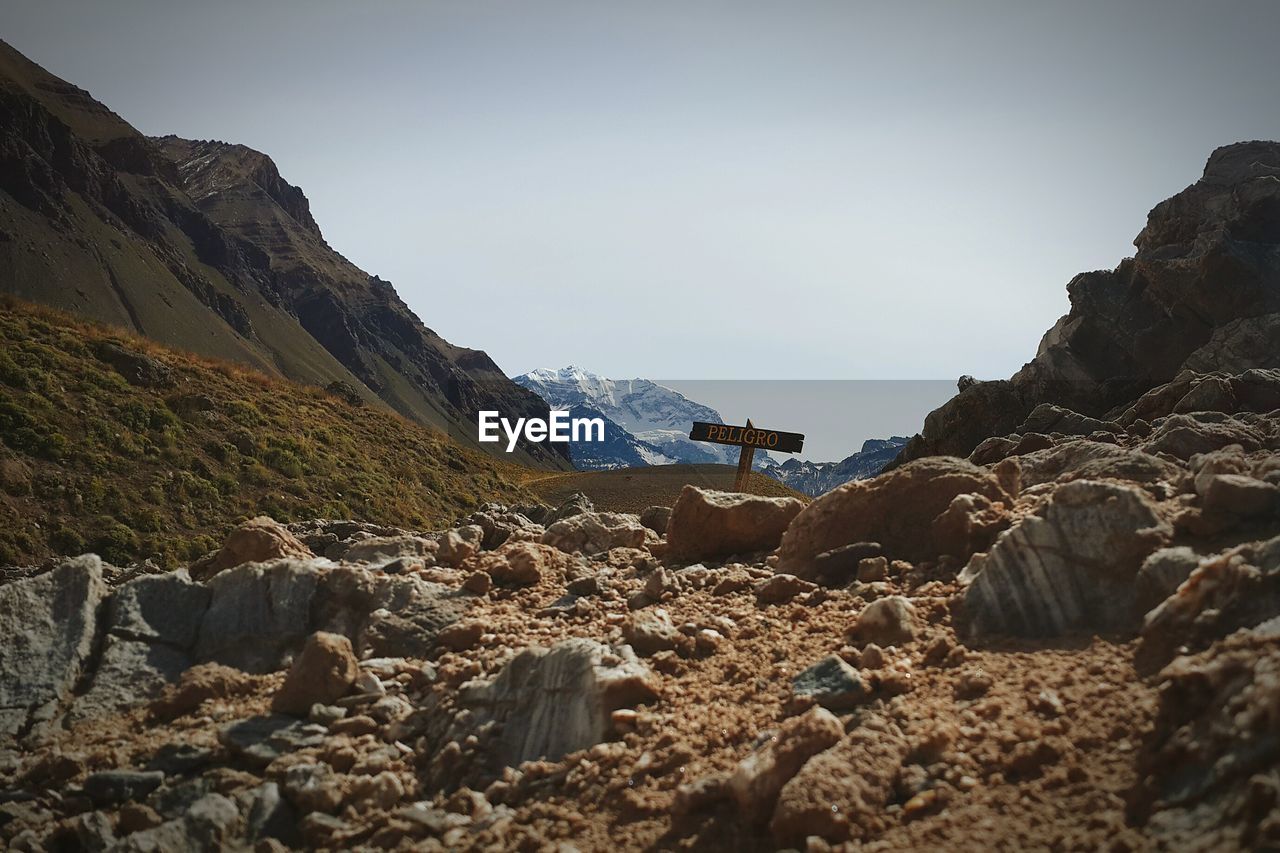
x: 887, y: 621
x: 461, y: 636
x: 324, y: 670
x: 973, y: 684
x: 760, y: 776
x: 1048, y: 703
x: 325, y: 714
x: 833, y: 684
x: 136, y: 817
x: 781, y: 588
x: 873, y: 569
x: 707, y: 641
x: 110, y: 787
x: 839, y: 564
x: 354, y: 726
x: 1240, y: 495
x: 478, y: 583
x: 650, y: 632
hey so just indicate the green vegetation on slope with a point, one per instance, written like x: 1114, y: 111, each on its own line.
x: 89, y: 461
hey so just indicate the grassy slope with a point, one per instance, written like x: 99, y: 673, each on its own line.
x: 90, y: 462
x: 633, y: 489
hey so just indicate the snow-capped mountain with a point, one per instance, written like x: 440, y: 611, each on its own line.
x: 656, y: 417
x: 817, y: 478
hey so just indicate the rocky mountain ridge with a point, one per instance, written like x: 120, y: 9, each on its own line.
x: 204, y: 246
x: 1201, y: 294
x: 818, y: 478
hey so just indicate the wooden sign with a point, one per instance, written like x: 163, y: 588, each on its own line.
x: 749, y: 437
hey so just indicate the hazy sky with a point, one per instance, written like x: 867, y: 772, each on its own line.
x: 704, y: 190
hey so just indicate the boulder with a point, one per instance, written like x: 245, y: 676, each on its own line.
x: 706, y: 523
x: 48, y: 624
x: 520, y: 563
x: 258, y: 540
x: 1184, y: 436
x: 1070, y: 567
x: 322, y: 672
x: 550, y: 702
x: 781, y: 588
x: 650, y: 632
x: 380, y: 550
x: 1161, y: 574
x: 760, y: 776
x: 895, y: 509
x: 258, y: 613
x: 594, y: 532
x: 384, y: 615
x: 1088, y: 460
x: 840, y: 564
x: 457, y: 546
x: 151, y: 624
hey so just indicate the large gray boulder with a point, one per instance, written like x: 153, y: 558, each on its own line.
x: 258, y: 612
x: 151, y: 625
x: 1072, y: 567
x: 550, y: 702
x: 47, y: 626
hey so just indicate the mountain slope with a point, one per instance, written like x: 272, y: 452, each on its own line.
x: 114, y: 444
x: 203, y: 245
x: 1202, y: 293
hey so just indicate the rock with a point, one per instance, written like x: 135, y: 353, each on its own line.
x: 137, y: 368
x: 650, y: 632
x: 1208, y: 394
x: 1240, y: 495
x: 1048, y: 418
x: 1161, y: 574
x: 656, y: 518
x: 780, y: 589
x: 211, y: 823
x: 1070, y: 567
x: 593, y: 532
x: 323, y: 672
x: 457, y: 546
x: 1184, y: 436
x: 833, y: 684
x: 1203, y: 766
x: 478, y: 583
x: 381, y: 550
x: 576, y: 504
x: 48, y: 624
x: 271, y: 817
x: 758, y: 778
x: 258, y: 540
x: 1197, y: 292
x: 151, y: 626
x: 1238, y: 588
x: 521, y: 563
x: 550, y: 702
x: 314, y: 787
x: 707, y: 523
x: 840, y: 794
x: 840, y: 564
x: 258, y: 613
x: 112, y: 787
x: 1084, y: 460
x: 888, y: 621
x: 461, y: 636
x: 969, y: 524
x: 895, y: 509
x: 263, y: 739
x: 872, y: 569
x: 200, y: 684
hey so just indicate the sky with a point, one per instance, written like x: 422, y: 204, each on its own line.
x: 691, y: 189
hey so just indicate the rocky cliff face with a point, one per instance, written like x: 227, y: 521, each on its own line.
x: 204, y: 246
x: 1201, y: 293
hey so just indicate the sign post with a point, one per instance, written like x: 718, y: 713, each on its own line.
x: 748, y: 437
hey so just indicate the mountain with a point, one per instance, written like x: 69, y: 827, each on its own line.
x: 817, y: 478
x: 657, y: 417
x: 115, y: 444
x: 204, y: 246
x: 620, y: 449
x: 1201, y: 294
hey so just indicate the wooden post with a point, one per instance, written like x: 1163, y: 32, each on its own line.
x: 745, y: 458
